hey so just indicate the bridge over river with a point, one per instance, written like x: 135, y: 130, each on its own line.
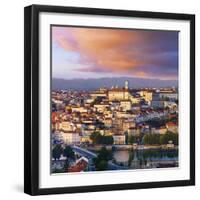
x: 90, y: 155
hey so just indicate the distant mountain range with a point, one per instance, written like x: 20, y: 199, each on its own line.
x: 92, y: 84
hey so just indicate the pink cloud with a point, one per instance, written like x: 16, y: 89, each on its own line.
x: 111, y: 50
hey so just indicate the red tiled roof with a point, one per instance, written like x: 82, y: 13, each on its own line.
x: 78, y: 167
x: 171, y: 124
x: 118, y: 90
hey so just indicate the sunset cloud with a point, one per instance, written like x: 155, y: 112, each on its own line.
x: 119, y: 51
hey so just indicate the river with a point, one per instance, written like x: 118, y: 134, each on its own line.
x: 144, y: 159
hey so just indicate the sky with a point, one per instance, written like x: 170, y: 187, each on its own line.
x: 80, y: 52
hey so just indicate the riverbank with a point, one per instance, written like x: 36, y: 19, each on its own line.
x: 130, y: 147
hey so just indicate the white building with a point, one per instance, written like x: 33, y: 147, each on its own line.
x: 101, y: 107
x: 146, y: 95
x: 170, y: 95
x: 157, y: 104
x: 160, y: 130
x: 119, y: 93
x: 119, y: 139
x: 79, y: 109
x: 71, y: 137
x: 125, y: 105
x: 161, y: 99
x: 67, y: 126
x: 172, y: 127
x: 99, y: 93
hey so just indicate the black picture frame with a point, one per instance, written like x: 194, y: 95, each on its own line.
x: 31, y: 98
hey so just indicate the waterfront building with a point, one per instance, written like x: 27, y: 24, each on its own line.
x: 170, y: 145
x: 134, y: 131
x: 127, y: 123
x: 119, y: 139
x: 86, y: 139
x: 172, y: 127
x: 159, y: 130
x: 71, y: 137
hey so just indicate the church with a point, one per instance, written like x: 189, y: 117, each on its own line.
x: 118, y: 94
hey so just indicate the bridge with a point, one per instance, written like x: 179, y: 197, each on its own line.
x: 90, y: 156
x: 84, y: 152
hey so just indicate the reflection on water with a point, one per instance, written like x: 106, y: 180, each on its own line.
x: 141, y: 159
x: 121, y: 156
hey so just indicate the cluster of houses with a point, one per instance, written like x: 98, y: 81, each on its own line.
x: 114, y: 112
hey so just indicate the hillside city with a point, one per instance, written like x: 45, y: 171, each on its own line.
x: 115, y: 128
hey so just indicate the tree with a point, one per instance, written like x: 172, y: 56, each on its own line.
x: 101, y: 162
x: 131, y: 157
x: 132, y: 139
x: 66, y: 165
x: 96, y: 101
x: 106, y: 140
x: 57, y: 151
x: 68, y: 152
x: 151, y: 139
x: 97, y: 138
x: 126, y: 137
x: 102, y: 165
x: 169, y: 136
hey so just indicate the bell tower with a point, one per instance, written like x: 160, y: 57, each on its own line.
x: 126, y: 85
x: 126, y: 92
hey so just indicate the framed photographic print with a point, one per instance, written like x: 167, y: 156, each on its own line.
x: 109, y: 100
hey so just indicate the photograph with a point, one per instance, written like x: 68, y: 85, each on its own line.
x: 108, y: 93
x: 114, y: 99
